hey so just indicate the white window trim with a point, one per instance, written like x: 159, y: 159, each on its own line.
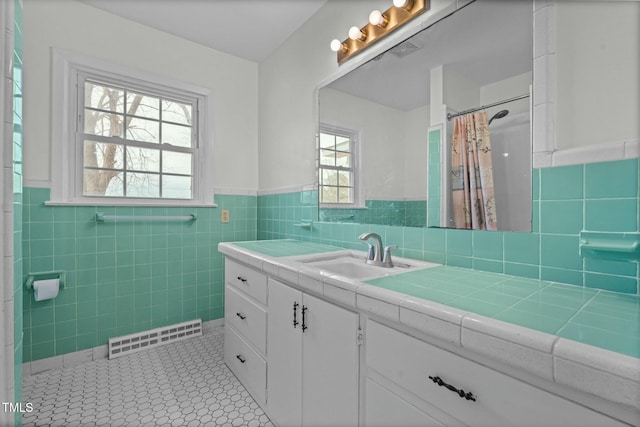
x: 358, y: 195
x: 64, y: 160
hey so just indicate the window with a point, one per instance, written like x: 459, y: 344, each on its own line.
x: 337, y: 168
x: 127, y: 137
x: 134, y: 144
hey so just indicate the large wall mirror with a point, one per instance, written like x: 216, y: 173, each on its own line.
x: 385, y: 136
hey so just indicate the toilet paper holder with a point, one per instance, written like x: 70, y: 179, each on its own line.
x: 43, y: 275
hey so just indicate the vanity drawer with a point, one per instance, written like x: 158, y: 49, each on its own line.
x: 250, y: 281
x: 246, y: 364
x: 247, y: 317
x: 384, y: 408
x: 500, y: 400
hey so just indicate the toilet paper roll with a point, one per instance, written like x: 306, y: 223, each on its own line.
x: 45, y: 289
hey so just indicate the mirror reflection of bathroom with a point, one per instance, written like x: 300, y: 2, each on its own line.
x: 401, y: 171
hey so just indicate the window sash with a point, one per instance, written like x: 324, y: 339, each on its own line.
x: 125, y: 142
x: 351, y: 170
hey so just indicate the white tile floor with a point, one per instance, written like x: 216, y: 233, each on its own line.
x: 179, y: 384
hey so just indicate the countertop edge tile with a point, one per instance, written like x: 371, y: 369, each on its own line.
x: 270, y: 267
x: 309, y: 281
x: 598, y: 358
x: 434, y: 309
x: 596, y: 382
x: 378, y: 307
x: 288, y: 273
x: 339, y: 294
x: 519, y: 335
x: 522, y: 357
x: 431, y: 325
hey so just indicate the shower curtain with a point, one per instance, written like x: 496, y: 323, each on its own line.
x: 474, y: 203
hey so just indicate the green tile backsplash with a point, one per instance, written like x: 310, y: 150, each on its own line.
x: 124, y: 277
x: 566, y: 200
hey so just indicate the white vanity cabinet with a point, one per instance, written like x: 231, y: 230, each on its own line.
x: 313, y: 356
x: 245, y: 321
x: 425, y: 385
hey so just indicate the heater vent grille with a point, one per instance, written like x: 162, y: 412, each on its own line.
x: 127, y: 344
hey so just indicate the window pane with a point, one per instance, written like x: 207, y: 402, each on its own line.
x: 327, y: 157
x: 103, y: 155
x: 143, y: 159
x: 143, y: 185
x: 329, y: 177
x: 176, y: 112
x: 343, y: 159
x: 329, y: 195
x: 344, y: 195
x: 102, y: 183
x: 143, y: 130
x: 176, y: 135
x: 143, y: 106
x: 176, y: 162
x: 176, y: 187
x: 101, y: 123
x: 344, y: 179
x: 327, y: 141
x: 103, y: 97
x: 342, y: 143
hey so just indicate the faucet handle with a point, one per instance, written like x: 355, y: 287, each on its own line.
x: 386, y: 260
x: 370, y: 251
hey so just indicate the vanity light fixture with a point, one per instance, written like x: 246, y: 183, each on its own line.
x: 380, y: 24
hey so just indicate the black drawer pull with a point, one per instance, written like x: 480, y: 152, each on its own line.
x: 295, y: 314
x: 241, y: 316
x: 240, y: 358
x: 242, y: 279
x: 304, y: 311
x: 459, y: 392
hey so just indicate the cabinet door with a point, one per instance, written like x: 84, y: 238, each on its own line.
x: 284, y: 355
x: 330, y: 365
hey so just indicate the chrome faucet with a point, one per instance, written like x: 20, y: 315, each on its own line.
x: 375, y: 253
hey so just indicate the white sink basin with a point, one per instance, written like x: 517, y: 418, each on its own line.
x: 352, y: 265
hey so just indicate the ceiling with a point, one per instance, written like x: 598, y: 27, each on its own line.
x: 250, y: 29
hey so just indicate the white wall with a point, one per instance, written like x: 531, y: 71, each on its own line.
x: 288, y: 82
x: 597, y: 69
x: 393, y: 142
x: 74, y: 26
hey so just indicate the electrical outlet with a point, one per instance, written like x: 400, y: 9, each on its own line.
x: 224, y: 217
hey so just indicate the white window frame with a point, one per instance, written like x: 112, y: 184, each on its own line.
x: 66, y: 156
x: 356, y: 157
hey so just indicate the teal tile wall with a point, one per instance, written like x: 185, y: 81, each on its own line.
x: 17, y: 208
x: 596, y: 197
x: 124, y: 277
x: 408, y: 213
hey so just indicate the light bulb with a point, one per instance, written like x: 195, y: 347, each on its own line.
x: 336, y: 45
x: 399, y: 3
x: 355, y: 33
x: 375, y: 17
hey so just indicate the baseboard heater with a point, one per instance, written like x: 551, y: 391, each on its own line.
x: 132, y: 343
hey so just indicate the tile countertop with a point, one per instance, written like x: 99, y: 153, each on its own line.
x: 584, y: 338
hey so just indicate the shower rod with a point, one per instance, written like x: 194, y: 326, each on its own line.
x: 462, y: 113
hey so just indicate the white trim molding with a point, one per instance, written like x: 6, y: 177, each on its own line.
x: 63, y: 165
